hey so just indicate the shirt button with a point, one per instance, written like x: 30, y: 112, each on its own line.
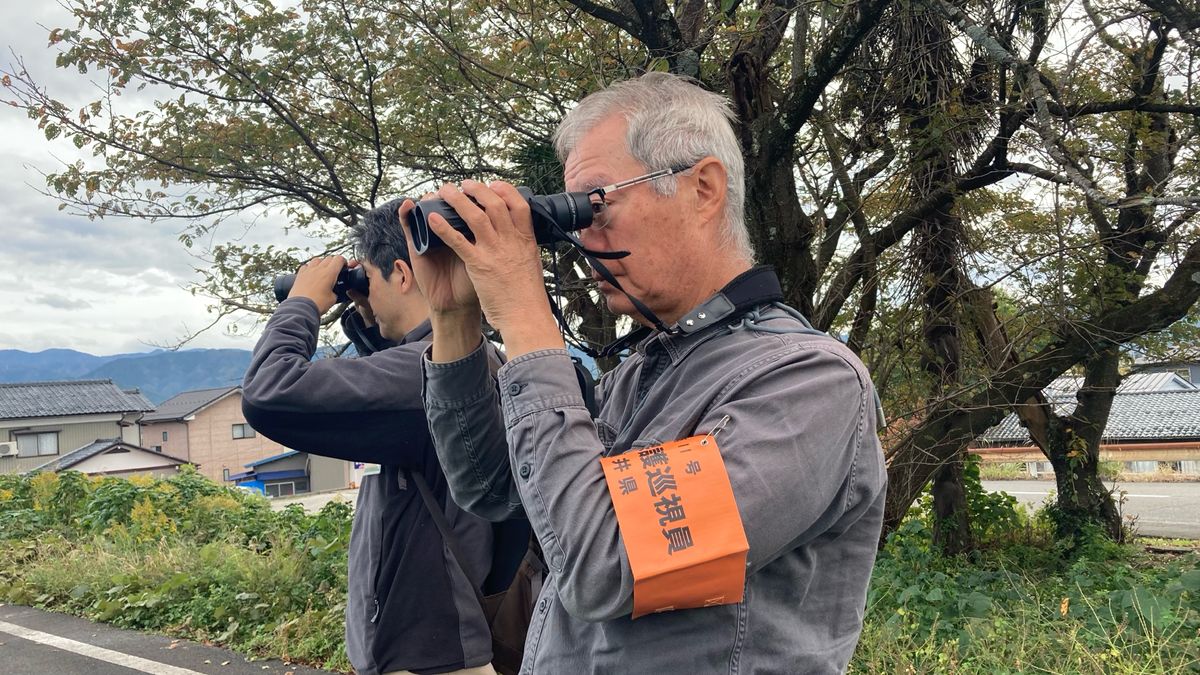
x: 515, y: 388
x: 526, y: 471
x: 542, y: 605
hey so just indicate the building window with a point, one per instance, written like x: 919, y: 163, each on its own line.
x: 164, y: 437
x: 158, y: 448
x: 225, y: 474
x: 286, y: 488
x: 36, y: 445
x: 243, y: 431
x: 1184, y: 374
x: 280, y: 489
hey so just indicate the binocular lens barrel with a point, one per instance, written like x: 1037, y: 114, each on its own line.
x: 349, y: 279
x: 571, y: 211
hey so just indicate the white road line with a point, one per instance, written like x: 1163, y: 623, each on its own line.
x: 92, y: 651
x: 1047, y: 493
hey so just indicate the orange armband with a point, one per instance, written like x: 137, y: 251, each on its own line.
x: 680, y: 525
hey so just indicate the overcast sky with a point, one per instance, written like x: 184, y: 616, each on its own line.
x: 103, y: 286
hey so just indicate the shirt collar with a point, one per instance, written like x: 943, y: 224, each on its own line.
x: 421, y: 332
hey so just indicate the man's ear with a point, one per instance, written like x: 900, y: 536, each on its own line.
x: 402, y: 274
x: 712, y: 188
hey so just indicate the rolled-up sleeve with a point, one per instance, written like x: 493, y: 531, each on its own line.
x: 467, y: 427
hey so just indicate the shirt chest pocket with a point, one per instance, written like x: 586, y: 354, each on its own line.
x: 607, y: 434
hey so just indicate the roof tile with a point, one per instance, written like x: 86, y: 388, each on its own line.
x: 76, y: 397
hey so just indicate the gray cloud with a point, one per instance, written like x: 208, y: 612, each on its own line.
x: 61, y: 302
x: 102, y: 286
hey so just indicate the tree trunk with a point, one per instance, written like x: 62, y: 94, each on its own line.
x: 939, y: 239
x: 951, y: 424
x: 951, y: 520
x: 1083, y: 501
x: 1074, y: 451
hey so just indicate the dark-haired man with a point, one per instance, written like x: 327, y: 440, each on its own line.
x: 410, y: 607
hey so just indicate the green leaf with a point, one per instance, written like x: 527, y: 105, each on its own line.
x: 1190, y: 580
x: 976, y: 605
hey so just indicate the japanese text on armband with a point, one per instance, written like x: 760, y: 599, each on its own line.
x: 681, y: 528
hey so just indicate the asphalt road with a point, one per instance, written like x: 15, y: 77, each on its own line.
x: 1161, y: 509
x: 35, y: 642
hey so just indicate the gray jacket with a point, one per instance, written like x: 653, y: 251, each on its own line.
x: 803, y: 459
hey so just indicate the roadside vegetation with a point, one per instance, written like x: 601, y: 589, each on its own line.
x: 189, y: 558
x: 182, y: 556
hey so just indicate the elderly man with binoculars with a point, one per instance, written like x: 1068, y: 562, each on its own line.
x: 719, y: 509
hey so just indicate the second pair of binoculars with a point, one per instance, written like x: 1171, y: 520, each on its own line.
x: 554, y: 216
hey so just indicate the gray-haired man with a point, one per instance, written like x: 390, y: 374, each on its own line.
x: 799, y: 441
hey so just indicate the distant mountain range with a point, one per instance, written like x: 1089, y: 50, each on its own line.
x: 159, y: 374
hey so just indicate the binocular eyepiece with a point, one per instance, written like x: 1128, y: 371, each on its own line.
x: 570, y: 211
x: 349, y: 279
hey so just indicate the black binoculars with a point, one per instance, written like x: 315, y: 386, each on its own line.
x: 553, y: 216
x: 349, y: 279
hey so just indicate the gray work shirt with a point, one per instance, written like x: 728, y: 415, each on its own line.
x: 803, y: 458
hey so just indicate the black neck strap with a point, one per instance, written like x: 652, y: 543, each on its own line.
x: 755, y: 287
x: 593, y: 259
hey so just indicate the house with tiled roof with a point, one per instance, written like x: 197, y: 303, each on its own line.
x: 41, y: 421
x: 114, y: 457
x: 1155, y: 418
x: 206, y: 427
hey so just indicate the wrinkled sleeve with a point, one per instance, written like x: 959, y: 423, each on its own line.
x: 465, y: 421
x: 796, y: 422
x: 365, y: 410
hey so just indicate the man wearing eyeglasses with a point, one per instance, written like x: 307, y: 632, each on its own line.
x: 795, y: 408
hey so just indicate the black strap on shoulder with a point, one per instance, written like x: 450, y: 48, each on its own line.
x: 755, y: 287
x: 443, y: 526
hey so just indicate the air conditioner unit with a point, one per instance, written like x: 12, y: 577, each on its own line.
x: 8, y: 449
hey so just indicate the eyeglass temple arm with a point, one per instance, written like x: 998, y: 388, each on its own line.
x: 602, y: 191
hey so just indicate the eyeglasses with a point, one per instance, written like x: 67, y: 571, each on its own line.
x: 598, y: 195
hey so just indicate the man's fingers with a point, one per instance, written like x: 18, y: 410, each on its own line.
x: 453, y: 238
x: 517, y: 206
x: 471, y: 213
x: 493, y: 205
x: 318, y: 265
x: 405, y: 209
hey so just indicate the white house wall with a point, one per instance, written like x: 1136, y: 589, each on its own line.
x: 120, y: 462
